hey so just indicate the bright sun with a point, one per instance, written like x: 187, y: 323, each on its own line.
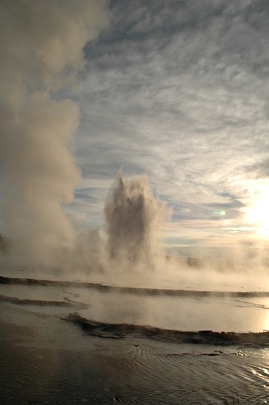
x: 257, y: 212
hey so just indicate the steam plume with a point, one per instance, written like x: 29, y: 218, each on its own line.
x: 132, y: 215
x: 41, y: 45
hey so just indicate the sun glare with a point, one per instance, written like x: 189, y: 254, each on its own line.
x: 257, y: 212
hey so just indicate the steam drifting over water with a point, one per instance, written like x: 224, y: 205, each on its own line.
x: 66, y: 291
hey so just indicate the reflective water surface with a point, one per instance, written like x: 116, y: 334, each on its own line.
x: 193, y: 311
x: 45, y: 359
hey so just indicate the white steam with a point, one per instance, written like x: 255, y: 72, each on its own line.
x: 41, y: 47
x: 133, y: 215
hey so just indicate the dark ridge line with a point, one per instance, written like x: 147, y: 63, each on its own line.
x: 131, y: 290
x: 43, y: 303
x: 121, y: 331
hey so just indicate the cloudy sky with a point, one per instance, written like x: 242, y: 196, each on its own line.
x: 178, y: 90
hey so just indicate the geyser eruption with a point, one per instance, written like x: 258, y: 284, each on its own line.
x: 129, y: 244
x: 41, y: 45
x: 132, y: 215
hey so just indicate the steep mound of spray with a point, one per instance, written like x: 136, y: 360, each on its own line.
x: 132, y: 215
x: 129, y: 244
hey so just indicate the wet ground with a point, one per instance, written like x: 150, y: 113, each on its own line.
x: 45, y: 359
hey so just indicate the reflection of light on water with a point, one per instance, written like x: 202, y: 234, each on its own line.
x: 266, y: 321
x: 261, y: 374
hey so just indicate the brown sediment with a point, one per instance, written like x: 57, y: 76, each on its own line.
x: 42, y: 303
x: 121, y: 331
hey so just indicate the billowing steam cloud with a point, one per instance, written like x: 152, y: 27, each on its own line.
x: 132, y: 215
x: 41, y: 47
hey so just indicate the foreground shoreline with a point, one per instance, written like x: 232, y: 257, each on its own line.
x: 208, y: 337
x: 132, y: 290
x: 46, y: 360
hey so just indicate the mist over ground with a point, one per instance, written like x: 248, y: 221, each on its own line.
x: 129, y: 251
x: 146, y: 284
x: 42, y: 54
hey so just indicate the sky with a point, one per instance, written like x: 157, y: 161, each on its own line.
x: 175, y: 90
